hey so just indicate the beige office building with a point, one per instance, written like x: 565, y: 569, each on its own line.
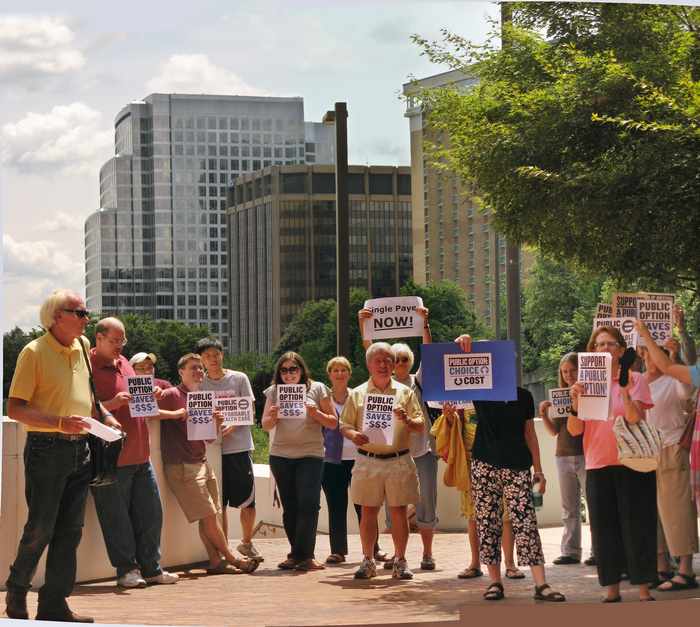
x: 452, y: 239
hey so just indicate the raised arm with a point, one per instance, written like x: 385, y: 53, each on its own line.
x: 362, y: 315
x: 661, y: 359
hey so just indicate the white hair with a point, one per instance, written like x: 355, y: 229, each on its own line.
x: 399, y: 349
x: 54, y: 303
x: 378, y: 347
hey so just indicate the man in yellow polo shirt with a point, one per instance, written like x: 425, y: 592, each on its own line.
x: 50, y: 395
x: 384, y: 469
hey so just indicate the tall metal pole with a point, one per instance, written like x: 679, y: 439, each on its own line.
x: 342, y: 231
x: 512, y: 249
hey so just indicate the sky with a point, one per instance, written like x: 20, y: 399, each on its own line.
x: 64, y: 75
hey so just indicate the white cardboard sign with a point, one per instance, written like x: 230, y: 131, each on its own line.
x: 624, y: 304
x: 657, y: 314
x: 560, y: 399
x: 466, y: 405
x: 604, y: 310
x: 200, y: 420
x: 142, y: 402
x: 378, y: 418
x: 594, y: 371
x: 625, y: 326
x: 468, y: 371
x: 237, y: 410
x: 393, y: 317
x: 291, y: 400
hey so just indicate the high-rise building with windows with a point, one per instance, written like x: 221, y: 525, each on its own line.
x: 452, y: 239
x: 158, y: 243
x: 281, y: 226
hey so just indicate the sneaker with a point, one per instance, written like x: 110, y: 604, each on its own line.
x: 132, y: 579
x: 248, y: 550
x: 427, y: 563
x: 389, y: 563
x: 564, y: 560
x: 401, y: 570
x: 367, y: 569
x: 164, y: 578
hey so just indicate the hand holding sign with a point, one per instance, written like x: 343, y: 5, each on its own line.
x: 201, y: 424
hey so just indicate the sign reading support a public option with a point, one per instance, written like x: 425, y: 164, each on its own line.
x: 625, y: 305
x: 393, y: 317
x: 624, y: 325
x: 291, y: 400
x: 656, y: 311
x: 594, y: 372
x: 237, y: 410
x: 142, y: 402
x: 560, y: 399
x: 486, y: 374
x: 200, y: 419
x: 378, y: 418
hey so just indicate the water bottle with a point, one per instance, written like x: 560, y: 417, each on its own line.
x: 537, y: 498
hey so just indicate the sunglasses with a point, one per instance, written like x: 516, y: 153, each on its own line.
x: 290, y: 370
x: 402, y: 360
x: 80, y: 313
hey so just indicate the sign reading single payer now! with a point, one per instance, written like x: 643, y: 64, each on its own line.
x: 200, y: 420
x: 468, y: 371
x: 393, y: 317
x: 142, y: 402
x: 291, y: 400
x: 378, y: 418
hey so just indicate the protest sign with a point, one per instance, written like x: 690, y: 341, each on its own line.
x: 291, y: 400
x: 487, y: 373
x: 604, y: 310
x: 466, y: 405
x: 378, y: 418
x: 237, y: 410
x: 142, y: 402
x: 624, y: 305
x: 594, y: 372
x: 200, y: 420
x: 393, y: 317
x: 560, y: 399
x: 656, y: 311
x: 624, y: 325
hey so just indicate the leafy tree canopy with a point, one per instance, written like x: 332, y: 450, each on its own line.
x: 583, y: 134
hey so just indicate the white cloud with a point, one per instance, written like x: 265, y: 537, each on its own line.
x: 32, y: 270
x: 69, y: 139
x: 195, y: 73
x: 33, y: 46
x: 61, y: 221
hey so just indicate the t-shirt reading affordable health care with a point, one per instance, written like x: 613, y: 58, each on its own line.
x: 378, y: 418
x: 142, y: 402
x: 200, y: 419
x: 594, y: 372
x: 468, y: 371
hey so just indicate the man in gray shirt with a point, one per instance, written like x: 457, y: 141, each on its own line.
x: 238, y: 480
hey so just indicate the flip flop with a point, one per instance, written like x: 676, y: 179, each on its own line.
x: 470, y: 573
x: 335, y: 558
x: 688, y: 583
x: 514, y: 573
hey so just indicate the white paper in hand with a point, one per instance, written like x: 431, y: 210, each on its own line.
x: 109, y: 434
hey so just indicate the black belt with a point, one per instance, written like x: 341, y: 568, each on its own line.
x: 382, y: 455
x: 56, y: 434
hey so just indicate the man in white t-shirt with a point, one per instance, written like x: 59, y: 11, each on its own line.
x: 238, y: 479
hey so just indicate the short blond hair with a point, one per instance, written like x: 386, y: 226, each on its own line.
x: 399, y: 349
x: 52, y: 305
x: 183, y: 361
x: 338, y: 361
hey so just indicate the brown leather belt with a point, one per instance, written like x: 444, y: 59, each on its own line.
x: 382, y: 455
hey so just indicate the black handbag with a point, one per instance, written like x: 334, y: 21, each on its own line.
x: 103, y: 455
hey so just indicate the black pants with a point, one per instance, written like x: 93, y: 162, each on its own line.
x: 299, y: 485
x: 57, y: 473
x: 336, y: 481
x: 622, y: 504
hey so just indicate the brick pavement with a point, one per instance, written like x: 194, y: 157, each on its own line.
x: 332, y: 596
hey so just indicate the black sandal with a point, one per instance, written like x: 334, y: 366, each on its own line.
x: 689, y: 583
x: 551, y: 596
x: 494, y: 592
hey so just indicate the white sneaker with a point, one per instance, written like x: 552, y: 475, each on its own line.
x: 132, y: 579
x: 163, y: 578
x: 248, y: 550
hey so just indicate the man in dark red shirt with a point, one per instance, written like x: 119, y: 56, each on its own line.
x: 129, y: 510
x: 188, y: 473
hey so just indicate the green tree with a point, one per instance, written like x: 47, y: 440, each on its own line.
x: 583, y: 134
x: 12, y: 343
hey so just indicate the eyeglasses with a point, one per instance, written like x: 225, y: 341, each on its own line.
x: 114, y: 342
x: 290, y: 370
x: 80, y: 313
x: 607, y: 344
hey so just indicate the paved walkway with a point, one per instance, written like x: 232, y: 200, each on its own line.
x: 332, y: 596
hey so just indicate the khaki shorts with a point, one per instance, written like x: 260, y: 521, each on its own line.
x: 195, y: 488
x: 394, y: 479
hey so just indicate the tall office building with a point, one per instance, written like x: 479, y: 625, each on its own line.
x: 451, y: 238
x: 158, y: 243
x: 281, y: 225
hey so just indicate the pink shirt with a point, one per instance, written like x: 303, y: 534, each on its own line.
x: 599, y: 444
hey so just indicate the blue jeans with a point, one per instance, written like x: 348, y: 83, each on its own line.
x: 131, y: 518
x: 57, y: 473
x: 299, y: 485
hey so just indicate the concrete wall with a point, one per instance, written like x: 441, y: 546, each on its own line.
x: 180, y: 541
